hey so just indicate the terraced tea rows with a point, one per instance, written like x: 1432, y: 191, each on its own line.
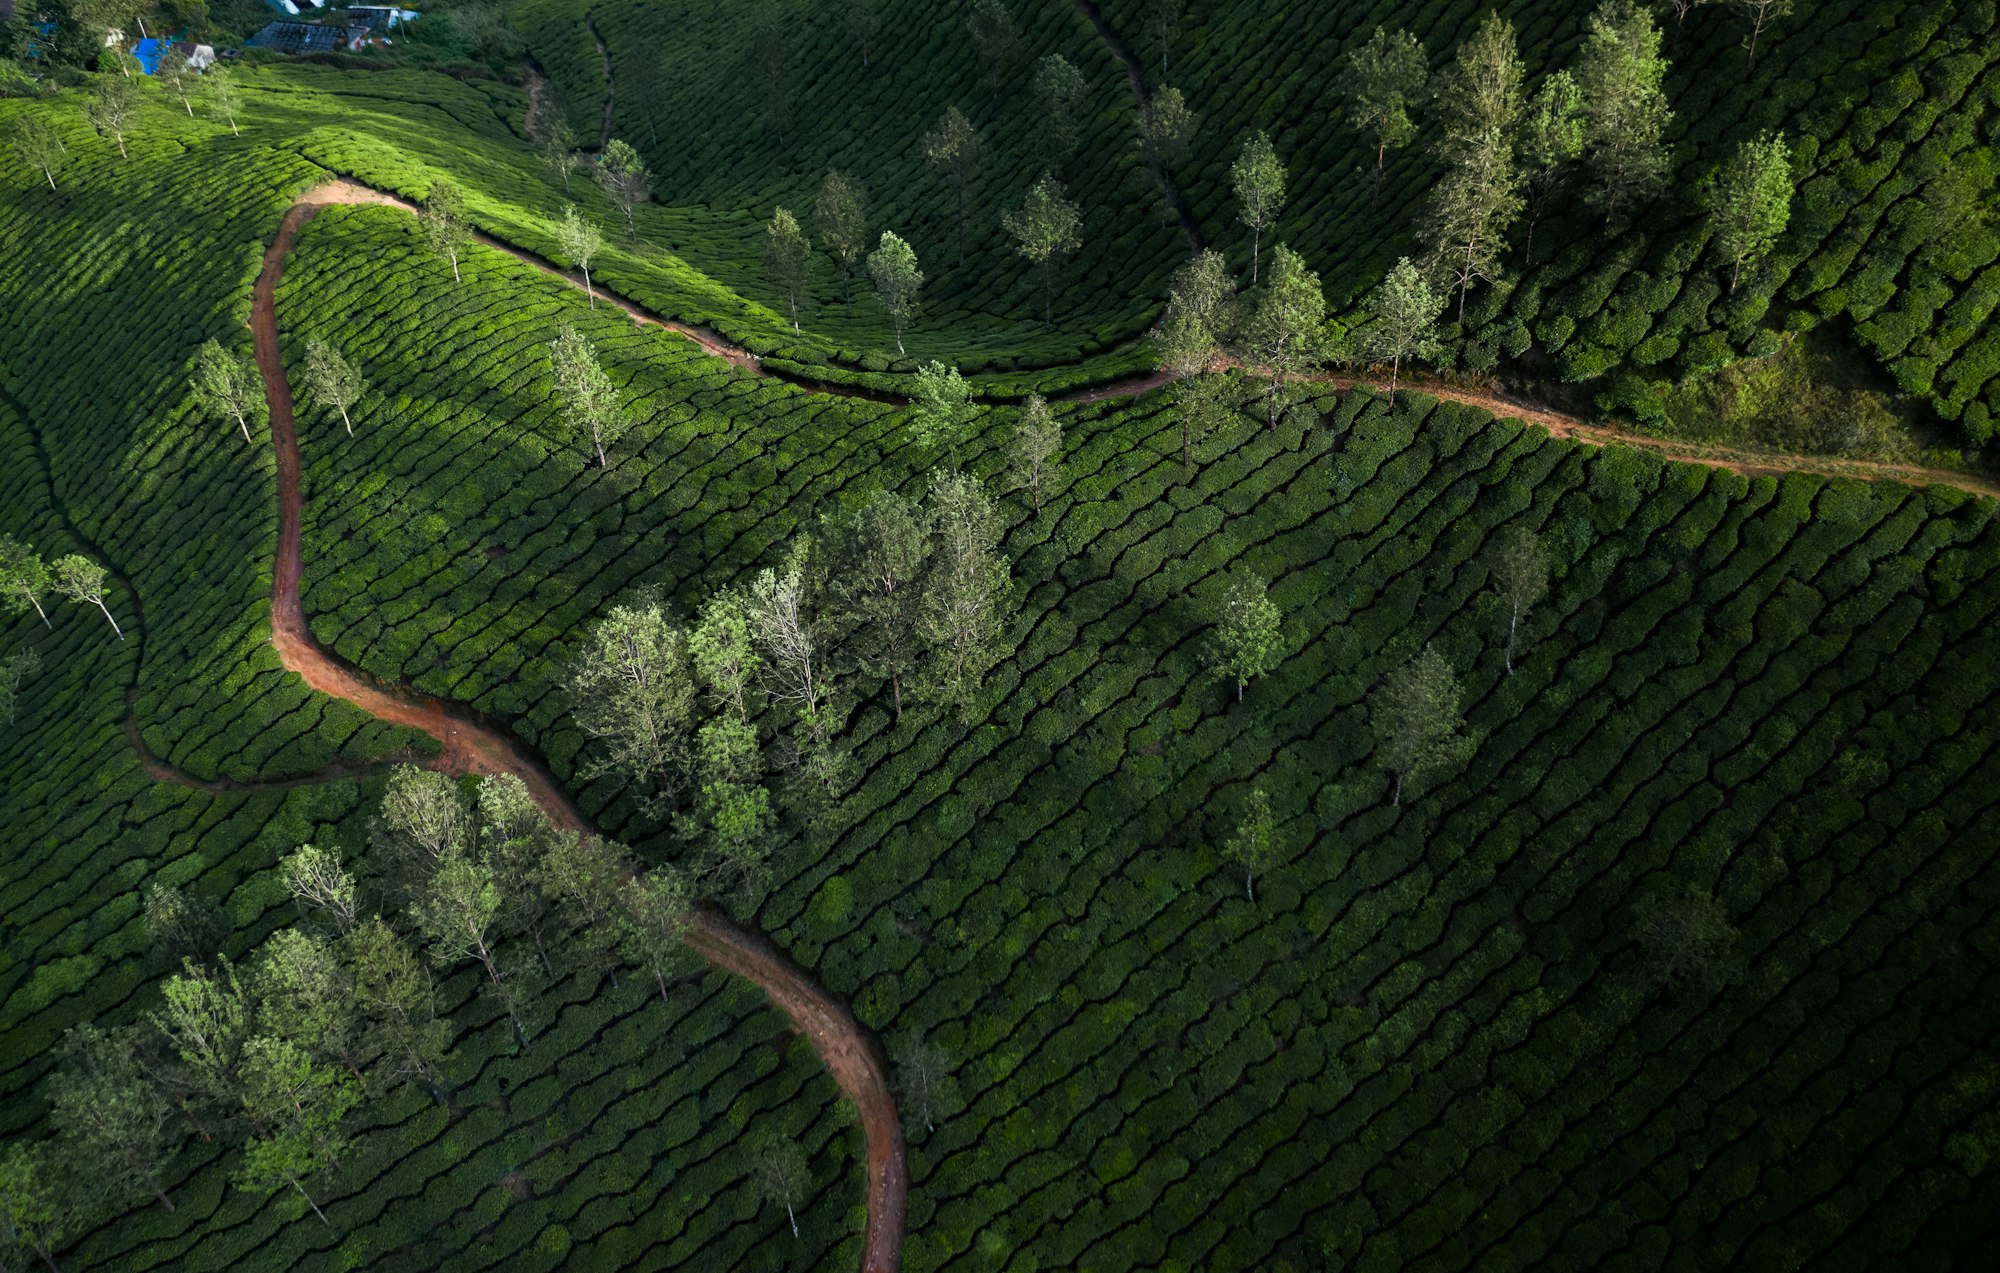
x: 1767, y: 690
x: 1887, y: 105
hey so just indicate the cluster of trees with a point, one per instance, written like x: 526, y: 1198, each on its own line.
x: 337, y: 1008
x: 26, y: 580
x: 112, y: 107
x: 229, y: 385
x: 1506, y: 151
x: 910, y: 594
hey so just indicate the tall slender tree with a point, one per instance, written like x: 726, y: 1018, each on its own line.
x: 457, y: 915
x: 39, y: 145
x: 580, y: 240
x: 15, y: 671
x: 863, y: 23
x: 1552, y: 137
x: 176, y: 76
x: 1283, y: 326
x: 1751, y: 202
x: 1260, y: 191
x: 40, y: 1199
x: 658, y: 908
x: 723, y: 647
x: 305, y: 994
x: 1166, y: 135
x: 1254, y: 847
x: 941, y: 407
x: 1381, y: 82
x: 110, y: 1112
x: 632, y: 690
x: 1419, y: 732
x: 623, y: 175
x: 1044, y: 229
x: 82, y: 580
x: 996, y: 41
x: 220, y: 83
x: 1620, y: 75
x: 1160, y: 23
x: 787, y: 259
x: 1060, y: 90
x: 443, y: 222
x: 1521, y: 572
x: 1247, y: 632
x: 964, y: 602
x: 111, y: 108
x: 557, y: 147
x: 1471, y: 210
x: 321, y: 886
x: 958, y: 150
x: 333, y: 380
x: 1037, y: 440
x: 1402, y: 314
x: 881, y: 550
x: 794, y: 626
x: 1760, y: 14
x: 589, y: 399
x: 398, y: 1003
x: 24, y: 578
x: 841, y: 216
x: 898, y: 282
x: 227, y: 384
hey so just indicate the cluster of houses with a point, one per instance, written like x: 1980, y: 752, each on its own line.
x: 355, y: 28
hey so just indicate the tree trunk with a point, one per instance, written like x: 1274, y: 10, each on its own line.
x: 51, y: 176
x: 1381, y: 152
x: 1399, y: 791
x: 310, y: 1203
x: 454, y: 269
x: 161, y: 1194
x: 1239, y: 689
x: 121, y: 143
x: 1256, y: 243
x: 114, y: 623
x: 233, y: 130
x: 48, y: 1259
x: 1395, y: 374
x: 1512, y: 623
x: 1250, y: 886
x: 793, y: 1218
x: 896, y: 688
x: 1735, y: 274
x: 588, y: 290
x: 37, y: 603
x: 349, y: 423
x: 601, y: 461
x: 663, y: 988
x: 243, y: 424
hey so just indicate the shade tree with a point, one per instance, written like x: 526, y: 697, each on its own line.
x: 1036, y: 442
x: 82, y: 580
x: 898, y: 281
x: 1620, y: 76
x: 1166, y: 136
x: 334, y: 381
x: 589, y: 401
x: 443, y: 223
x: 957, y: 150
x: 840, y: 213
x: 794, y: 629
x: 659, y: 906
x: 112, y: 107
x: 304, y: 993
x: 787, y: 260
x: 1521, y: 573
x: 623, y: 176
x: 1044, y: 229
x: 1282, y: 329
x: 1381, y: 83
x: 1552, y: 139
x: 424, y: 815
x: 881, y: 550
x: 632, y: 692
x: 1401, y: 320
x: 227, y: 384
x: 941, y: 407
x: 967, y: 590
x: 24, y: 578
x: 723, y: 647
x: 1750, y: 203
x: 1419, y: 731
x: 580, y: 239
x: 15, y: 671
x: 110, y: 1113
x: 782, y: 1175
x: 456, y: 915
x: 1259, y: 182
x: 321, y: 887
x: 41, y: 1200
x: 397, y: 999
x: 556, y: 147
x: 1247, y: 641
x: 175, y: 75
x: 996, y: 41
x: 296, y: 1105
x: 1060, y: 90
x: 38, y: 145
x: 1254, y: 846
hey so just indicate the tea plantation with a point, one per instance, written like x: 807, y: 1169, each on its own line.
x: 1691, y: 964
x: 1889, y: 108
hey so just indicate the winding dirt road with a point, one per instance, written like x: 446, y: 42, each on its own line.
x: 473, y: 745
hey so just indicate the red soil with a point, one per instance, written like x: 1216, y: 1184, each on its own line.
x: 472, y: 746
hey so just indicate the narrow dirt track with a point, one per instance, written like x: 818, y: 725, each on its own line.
x: 1751, y: 463
x: 473, y: 745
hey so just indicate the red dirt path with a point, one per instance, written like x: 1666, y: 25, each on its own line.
x: 472, y: 746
